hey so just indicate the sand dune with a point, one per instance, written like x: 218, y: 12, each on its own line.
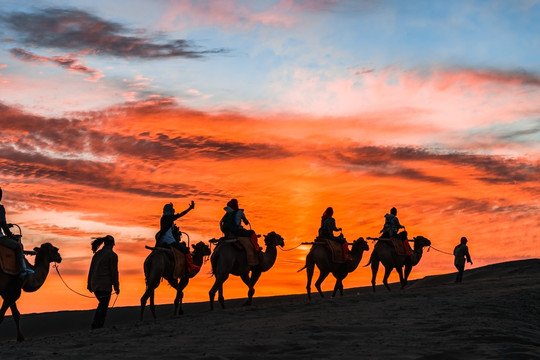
x: 494, y: 313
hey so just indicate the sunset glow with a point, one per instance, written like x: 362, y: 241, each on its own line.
x: 110, y: 110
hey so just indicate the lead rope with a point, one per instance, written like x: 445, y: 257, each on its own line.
x: 296, y: 247
x: 444, y: 252
x: 55, y: 266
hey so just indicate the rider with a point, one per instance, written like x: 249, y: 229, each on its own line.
x: 391, y: 228
x: 168, y: 230
x: 328, y: 226
x: 231, y: 223
x: 10, y: 241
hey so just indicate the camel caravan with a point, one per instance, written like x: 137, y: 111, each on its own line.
x: 236, y: 253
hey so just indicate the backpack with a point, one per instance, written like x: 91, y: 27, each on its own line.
x: 228, y: 222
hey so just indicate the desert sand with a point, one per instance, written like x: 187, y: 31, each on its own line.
x: 493, y: 314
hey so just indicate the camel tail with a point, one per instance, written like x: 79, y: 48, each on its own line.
x: 302, y: 268
x: 369, y: 262
x: 214, y: 260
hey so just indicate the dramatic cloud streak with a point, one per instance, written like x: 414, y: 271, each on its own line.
x: 77, y: 30
x: 67, y: 63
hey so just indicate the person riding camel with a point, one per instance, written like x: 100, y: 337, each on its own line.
x: 11, y: 242
x: 231, y: 224
x: 391, y: 228
x: 170, y: 235
x: 328, y: 226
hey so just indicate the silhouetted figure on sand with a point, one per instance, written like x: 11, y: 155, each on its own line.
x: 9, y: 240
x: 169, y: 234
x: 326, y: 231
x: 231, y: 224
x: 103, y: 276
x: 391, y: 229
x: 461, y: 253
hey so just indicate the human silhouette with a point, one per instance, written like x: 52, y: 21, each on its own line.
x: 9, y: 240
x: 328, y: 226
x: 231, y: 223
x: 103, y: 276
x: 461, y: 253
x: 169, y: 234
x: 391, y: 229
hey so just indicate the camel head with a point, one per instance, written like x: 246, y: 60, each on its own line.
x: 201, y: 248
x: 273, y: 239
x: 50, y: 251
x: 420, y: 241
x: 359, y: 245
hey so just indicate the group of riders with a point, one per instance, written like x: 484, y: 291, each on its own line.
x: 231, y: 224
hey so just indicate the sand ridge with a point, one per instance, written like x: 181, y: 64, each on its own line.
x: 493, y: 314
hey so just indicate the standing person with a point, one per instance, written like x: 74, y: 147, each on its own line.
x: 231, y: 223
x: 11, y: 242
x: 328, y: 226
x: 461, y: 252
x: 103, y: 276
x: 169, y: 234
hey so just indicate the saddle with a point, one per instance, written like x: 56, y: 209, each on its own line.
x: 8, y: 261
x: 243, y: 244
x: 335, y: 248
x: 178, y: 257
x: 179, y: 263
x: 398, y: 245
x: 251, y: 254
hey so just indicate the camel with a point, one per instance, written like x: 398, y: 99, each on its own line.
x: 385, y: 253
x: 321, y: 255
x: 11, y: 285
x: 227, y: 259
x: 159, y: 264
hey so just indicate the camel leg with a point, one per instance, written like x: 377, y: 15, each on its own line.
x: 402, y: 280
x: 221, y: 299
x: 408, y: 269
x: 17, y: 317
x: 149, y: 293
x: 218, y: 286
x: 180, y: 295
x: 153, y: 304
x: 255, y: 275
x: 338, y: 286
x: 8, y: 303
x: 310, y: 267
x: 374, y: 270
x: 318, y: 283
x: 144, y: 299
x: 387, y: 271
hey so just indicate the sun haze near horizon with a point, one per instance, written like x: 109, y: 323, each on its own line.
x: 108, y: 111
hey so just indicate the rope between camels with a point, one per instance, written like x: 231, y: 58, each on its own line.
x: 55, y: 266
x: 444, y: 252
x: 296, y: 247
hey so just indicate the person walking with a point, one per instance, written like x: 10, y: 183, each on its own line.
x: 461, y: 252
x: 103, y: 276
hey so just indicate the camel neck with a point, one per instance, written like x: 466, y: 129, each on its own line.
x: 33, y: 282
x: 269, y: 257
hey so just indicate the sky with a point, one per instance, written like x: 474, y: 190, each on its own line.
x: 109, y: 110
